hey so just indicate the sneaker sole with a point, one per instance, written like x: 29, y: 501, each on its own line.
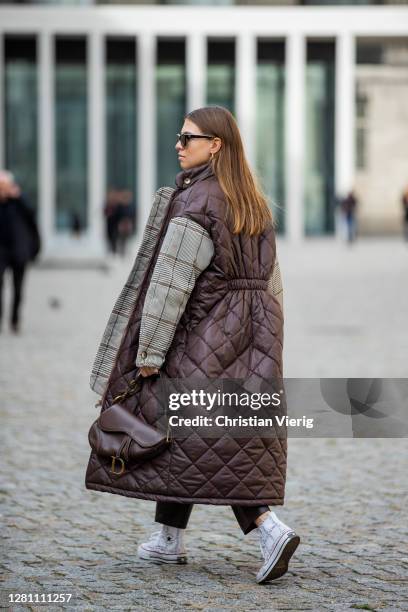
x: 279, y: 561
x: 160, y: 557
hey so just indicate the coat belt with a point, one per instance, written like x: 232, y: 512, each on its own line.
x: 247, y: 283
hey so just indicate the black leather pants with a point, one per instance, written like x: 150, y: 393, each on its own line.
x: 177, y: 515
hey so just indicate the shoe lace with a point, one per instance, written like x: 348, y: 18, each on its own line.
x: 154, y: 536
x: 268, y: 535
x: 161, y: 535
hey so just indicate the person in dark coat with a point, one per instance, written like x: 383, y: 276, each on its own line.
x: 125, y: 220
x: 119, y: 212
x: 349, y: 205
x: 111, y: 213
x: 404, y: 201
x: 19, y: 241
x: 208, y: 306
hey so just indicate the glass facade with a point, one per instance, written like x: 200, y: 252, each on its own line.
x: 270, y: 125
x: 319, y: 153
x: 221, y: 73
x: 21, y: 113
x: 385, y: 58
x: 171, y: 106
x: 71, y: 150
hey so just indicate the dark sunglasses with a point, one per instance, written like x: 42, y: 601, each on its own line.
x: 186, y: 137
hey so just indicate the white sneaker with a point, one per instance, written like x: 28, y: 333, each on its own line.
x: 278, y: 542
x: 164, y: 546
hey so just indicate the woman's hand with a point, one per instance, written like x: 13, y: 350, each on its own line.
x: 148, y: 370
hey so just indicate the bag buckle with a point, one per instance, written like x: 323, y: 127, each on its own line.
x: 122, y: 465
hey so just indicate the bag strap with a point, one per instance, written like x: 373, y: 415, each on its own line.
x: 133, y: 387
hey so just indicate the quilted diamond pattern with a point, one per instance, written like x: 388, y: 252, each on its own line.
x: 232, y: 327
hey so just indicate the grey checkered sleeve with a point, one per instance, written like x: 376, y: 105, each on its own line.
x: 186, y: 251
x: 275, y: 283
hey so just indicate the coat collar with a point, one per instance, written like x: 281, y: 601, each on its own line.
x: 185, y: 178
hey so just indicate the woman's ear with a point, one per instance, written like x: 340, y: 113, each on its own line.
x: 216, y: 146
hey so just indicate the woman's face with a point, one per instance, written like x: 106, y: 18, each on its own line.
x: 197, y: 150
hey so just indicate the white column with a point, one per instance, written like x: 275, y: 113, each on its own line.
x: 196, y: 56
x: 96, y: 143
x: 2, y: 100
x: 46, y: 148
x: 146, y: 167
x: 295, y: 135
x: 245, y: 92
x: 344, y: 118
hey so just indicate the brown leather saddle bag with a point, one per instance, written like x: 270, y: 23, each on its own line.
x: 124, y: 436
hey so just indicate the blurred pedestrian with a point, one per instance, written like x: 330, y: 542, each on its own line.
x: 111, y: 213
x: 19, y: 241
x: 348, y: 206
x: 125, y: 220
x: 76, y: 225
x: 405, y: 212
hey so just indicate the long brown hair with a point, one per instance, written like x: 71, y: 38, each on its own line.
x: 248, y: 205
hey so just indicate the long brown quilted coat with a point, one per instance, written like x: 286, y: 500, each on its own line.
x: 232, y: 327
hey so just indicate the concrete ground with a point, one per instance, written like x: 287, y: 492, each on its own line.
x: 345, y: 315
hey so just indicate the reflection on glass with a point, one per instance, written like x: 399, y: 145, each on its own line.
x: 221, y: 73
x: 319, y: 154
x: 171, y: 105
x: 71, y: 133
x: 21, y: 113
x: 121, y: 127
x: 270, y: 126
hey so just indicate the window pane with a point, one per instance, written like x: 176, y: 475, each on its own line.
x: 319, y: 179
x: 270, y: 125
x: 21, y: 113
x: 221, y: 73
x: 171, y: 104
x: 121, y: 125
x: 71, y: 132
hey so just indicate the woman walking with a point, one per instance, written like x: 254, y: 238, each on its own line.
x: 20, y: 242
x: 210, y: 306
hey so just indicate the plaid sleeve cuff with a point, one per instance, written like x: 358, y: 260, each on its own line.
x: 186, y: 251
x: 275, y: 283
x: 150, y: 358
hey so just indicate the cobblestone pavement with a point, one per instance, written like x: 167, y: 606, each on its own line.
x: 345, y: 315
